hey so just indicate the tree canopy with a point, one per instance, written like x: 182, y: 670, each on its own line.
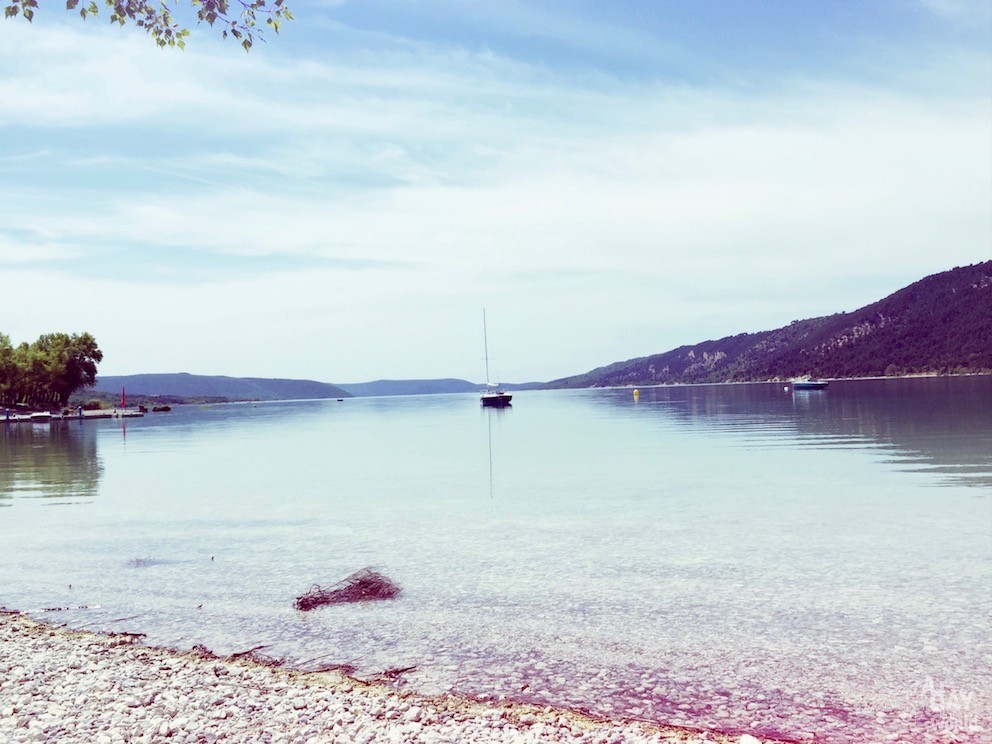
x: 158, y: 20
x: 44, y: 374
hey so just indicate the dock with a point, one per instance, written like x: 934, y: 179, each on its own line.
x: 41, y: 419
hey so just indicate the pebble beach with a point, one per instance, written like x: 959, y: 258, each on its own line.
x: 76, y: 686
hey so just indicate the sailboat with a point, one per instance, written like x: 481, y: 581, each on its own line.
x: 492, y: 396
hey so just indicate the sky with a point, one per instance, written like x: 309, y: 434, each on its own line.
x: 607, y: 179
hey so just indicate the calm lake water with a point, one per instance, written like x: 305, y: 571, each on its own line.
x: 738, y: 557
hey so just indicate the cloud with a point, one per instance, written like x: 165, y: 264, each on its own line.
x: 374, y: 198
x: 21, y: 250
x: 959, y: 10
x: 778, y: 177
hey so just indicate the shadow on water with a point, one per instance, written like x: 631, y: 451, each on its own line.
x: 56, y: 461
x: 938, y: 425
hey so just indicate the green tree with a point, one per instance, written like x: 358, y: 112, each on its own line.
x: 8, y: 369
x: 44, y: 374
x: 239, y: 19
x: 70, y: 363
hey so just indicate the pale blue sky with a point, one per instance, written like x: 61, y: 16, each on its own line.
x: 608, y: 179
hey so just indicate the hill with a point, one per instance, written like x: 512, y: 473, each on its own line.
x: 941, y: 324
x: 410, y: 387
x: 184, y: 385
x: 425, y: 387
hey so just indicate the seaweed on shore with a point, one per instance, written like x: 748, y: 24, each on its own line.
x: 202, y: 652
x: 392, y: 676
x: 254, y: 655
x: 362, y: 586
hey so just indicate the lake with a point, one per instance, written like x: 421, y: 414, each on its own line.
x: 730, y: 557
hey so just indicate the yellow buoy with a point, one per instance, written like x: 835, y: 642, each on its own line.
x: 637, y: 393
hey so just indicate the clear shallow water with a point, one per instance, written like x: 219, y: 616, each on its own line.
x: 729, y: 557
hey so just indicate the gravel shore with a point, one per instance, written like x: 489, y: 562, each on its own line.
x: 74, y: 686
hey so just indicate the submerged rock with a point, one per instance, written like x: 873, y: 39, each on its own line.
x: 362, y: 586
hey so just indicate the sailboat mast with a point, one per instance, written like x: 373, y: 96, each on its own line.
x: 491, y: 398
x: 485, y: 344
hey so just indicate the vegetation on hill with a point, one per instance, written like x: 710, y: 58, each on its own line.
x: 43, y: 374
x: 941, y: 324
x: 91, y: 400
x: 189, y: 387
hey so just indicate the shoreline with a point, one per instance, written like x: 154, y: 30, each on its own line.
x: 775, y: 381
x: 81, y: 686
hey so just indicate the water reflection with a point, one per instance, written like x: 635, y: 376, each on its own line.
x: 941, y: 425
x: 57, y: 461
x: 490, y: 413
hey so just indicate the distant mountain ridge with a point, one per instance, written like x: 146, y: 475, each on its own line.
x: 941, y: 324
x: 425, y: 387
x: 185, y: 385
x: 409, y: 387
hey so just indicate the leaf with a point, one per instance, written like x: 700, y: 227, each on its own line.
x: 158, y: 23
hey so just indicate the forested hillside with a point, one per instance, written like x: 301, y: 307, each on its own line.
x: 184, y: 385
x: 939, y: 325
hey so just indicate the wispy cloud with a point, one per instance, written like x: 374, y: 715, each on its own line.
x: 968, y: 11
x: 393, y: 183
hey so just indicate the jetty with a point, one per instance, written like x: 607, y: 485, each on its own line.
x: 43, y: 418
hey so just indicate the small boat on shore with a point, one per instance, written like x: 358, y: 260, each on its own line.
x: 809, y: 384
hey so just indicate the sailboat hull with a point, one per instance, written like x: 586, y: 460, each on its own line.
x: 496, y: 400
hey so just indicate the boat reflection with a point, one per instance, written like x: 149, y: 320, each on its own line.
x: 490, y: 413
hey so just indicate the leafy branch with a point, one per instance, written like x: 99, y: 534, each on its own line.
x: 241, y: 23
